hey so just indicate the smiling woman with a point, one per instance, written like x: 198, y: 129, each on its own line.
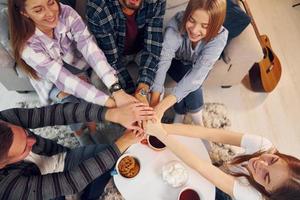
x: 24, y: 16
x: 265, y: 168
x: 54, y: 47
x: 260, y: 172
x: 43, y: 13
x: 272, y: 173
x: 193, y: 42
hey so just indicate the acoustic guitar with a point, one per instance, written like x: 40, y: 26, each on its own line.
x: 264, y: 75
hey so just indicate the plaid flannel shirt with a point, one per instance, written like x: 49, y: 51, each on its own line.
x: 73, y: 44
x: 108, y: 24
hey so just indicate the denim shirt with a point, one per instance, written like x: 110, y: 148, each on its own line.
x: 178, y: 46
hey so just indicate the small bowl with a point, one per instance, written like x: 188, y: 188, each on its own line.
x: 188, y: 193
x: 128, y: 171
x: 155, y: 143
x: 175, y: 174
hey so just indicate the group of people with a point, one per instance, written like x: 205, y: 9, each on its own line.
x: 62, y: 54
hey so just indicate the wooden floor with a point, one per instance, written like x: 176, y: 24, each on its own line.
x: 276, y: 115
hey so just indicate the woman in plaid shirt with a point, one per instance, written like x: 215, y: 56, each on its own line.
x: 55, y: 49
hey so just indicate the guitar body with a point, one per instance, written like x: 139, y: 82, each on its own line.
x: 265, y: 75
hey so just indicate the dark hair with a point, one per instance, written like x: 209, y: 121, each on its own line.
x: 6, y: 139
x: 289, y: 190
x: 21, y: 29
x: 216, y: 10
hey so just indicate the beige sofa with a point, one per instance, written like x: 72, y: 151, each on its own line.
x: 242, y: 52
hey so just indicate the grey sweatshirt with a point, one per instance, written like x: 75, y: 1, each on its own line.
x: 178, y: 46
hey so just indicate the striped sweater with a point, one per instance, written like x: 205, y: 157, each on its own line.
x: 23, y: 180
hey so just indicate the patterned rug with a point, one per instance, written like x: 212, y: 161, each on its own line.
x: 214, y: 116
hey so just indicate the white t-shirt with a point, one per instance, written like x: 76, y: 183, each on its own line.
x: 242, y: 190
x: 47, y: 165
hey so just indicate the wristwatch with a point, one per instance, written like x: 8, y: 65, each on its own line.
x: 143, y: 92
x: 115, y: 87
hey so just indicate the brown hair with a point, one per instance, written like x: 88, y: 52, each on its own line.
x: 216, y: 10
x: 290, y: 190
x: 6, y: 138
x: 21, y: 29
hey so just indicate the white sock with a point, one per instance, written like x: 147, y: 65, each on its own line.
x: 197, y: 118
x: 178, y: 118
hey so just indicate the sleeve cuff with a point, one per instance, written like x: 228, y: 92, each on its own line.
x: 113, y: 79
x: 147, y: 77
x: 177, y: 94
x: 146, y: 81
x: 102, y: 114
x: 102, y: 100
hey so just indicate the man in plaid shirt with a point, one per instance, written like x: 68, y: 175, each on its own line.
x: 129, y: 29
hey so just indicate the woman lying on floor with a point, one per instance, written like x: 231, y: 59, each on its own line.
x: 260, y: 172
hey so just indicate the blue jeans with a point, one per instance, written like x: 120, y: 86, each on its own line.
x: 193, y: 102
x: 76, y: 156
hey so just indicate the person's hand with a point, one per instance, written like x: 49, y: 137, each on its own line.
x: 127, y: 139
x: 154, y: 100
x: 156, y: 129
x: 132, y: 137
x: 164, y: 105
x: 141, y: 98
x: 122, y: 98
x: 62, y: 95
x: 141, y: 94
x: 128, y: 115
x: 159, y: 112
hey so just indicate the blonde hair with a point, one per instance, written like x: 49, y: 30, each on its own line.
x: 216, y: 10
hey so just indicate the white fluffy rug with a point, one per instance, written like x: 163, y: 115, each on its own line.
x: 62, y: 134
x: 214, y: 116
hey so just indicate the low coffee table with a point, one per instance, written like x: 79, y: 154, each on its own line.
x: 149, y: 185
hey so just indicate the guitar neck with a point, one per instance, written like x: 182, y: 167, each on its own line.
x: 248, y: 11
